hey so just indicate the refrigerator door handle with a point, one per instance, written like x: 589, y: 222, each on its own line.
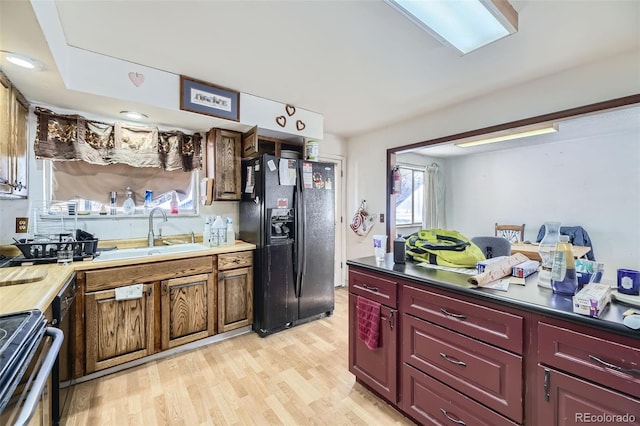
x: 299, y: 235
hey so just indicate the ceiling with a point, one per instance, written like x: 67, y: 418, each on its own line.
x: 360, y: 64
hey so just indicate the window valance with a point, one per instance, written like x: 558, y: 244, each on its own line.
x: 73, y: 137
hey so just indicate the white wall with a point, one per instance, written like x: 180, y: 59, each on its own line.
x: 591, y: 182
x: 611, y: 78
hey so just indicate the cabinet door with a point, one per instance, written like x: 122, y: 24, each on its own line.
x: 250, y: 143
x: 375, y: 368
x: 19, y: 114
x: 118, y: 331
x: 235, y: 299
x: 227, y: 165
x: 187, y: 309
x: 6, y: 148
x: 568, y: 400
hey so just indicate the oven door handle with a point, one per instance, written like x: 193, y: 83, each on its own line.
x: 40, y: 381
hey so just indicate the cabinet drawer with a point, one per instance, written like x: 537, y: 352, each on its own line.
x: 485, y: 373
x: 602, y: 361
x: 480, y: 322
x: 103, y: 279
x: 381, y: 290
x: 431, y: 402
x: 239, y: 259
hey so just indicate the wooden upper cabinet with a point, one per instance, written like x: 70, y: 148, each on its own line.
x: 14, y: 111
x: 250, y: 143
x: 223, y: 155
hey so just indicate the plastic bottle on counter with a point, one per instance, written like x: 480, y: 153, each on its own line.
x: 129, y: 206
x: 563, y: 271
x: 218, y: 232
x: 231, y: 234
x: 206, y: 234
x: 399, y: 248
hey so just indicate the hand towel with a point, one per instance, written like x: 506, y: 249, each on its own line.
x: 368, y: 322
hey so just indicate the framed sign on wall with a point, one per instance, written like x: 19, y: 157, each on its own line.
x: 205, y: 98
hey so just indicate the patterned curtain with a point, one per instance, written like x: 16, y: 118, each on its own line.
x: 72, y: 137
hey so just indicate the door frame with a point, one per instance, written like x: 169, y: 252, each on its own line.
x: 340, y: 202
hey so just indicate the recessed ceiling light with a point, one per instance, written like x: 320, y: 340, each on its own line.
x: 23, y: 61
x: 134, y: 115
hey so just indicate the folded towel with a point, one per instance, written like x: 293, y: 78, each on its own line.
x: 368, y: 322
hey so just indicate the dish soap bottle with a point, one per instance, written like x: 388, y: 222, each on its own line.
x: 563, y: 271
x: 206, y: 234
x: 174, y: 202
x: 129, y: 206
x: 399, y: 249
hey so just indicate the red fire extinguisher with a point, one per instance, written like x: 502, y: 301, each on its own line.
x: 397, y: 181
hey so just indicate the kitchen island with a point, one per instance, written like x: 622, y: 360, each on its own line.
x: 450, y: 352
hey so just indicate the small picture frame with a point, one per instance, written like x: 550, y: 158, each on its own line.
x: 205, y: 98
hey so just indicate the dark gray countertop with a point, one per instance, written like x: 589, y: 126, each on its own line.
x: 530, y: 297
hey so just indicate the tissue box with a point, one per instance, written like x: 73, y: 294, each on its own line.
x: 524, y: 269
x: 592, y: 299
x: 480, y: 266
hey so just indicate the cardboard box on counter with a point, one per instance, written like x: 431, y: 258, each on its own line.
x: 524, y: 269
x: 592, y: 299
x: 480, y: 266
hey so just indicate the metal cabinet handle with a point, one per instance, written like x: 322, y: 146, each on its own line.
x: 459, y: 316
x: 456, y: 421
x: 634, y: 371
x: 367, y: 287
x: 547, y: 375
x: 391, y: 319
x: 453, y: 361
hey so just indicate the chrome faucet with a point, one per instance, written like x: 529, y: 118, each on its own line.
x: 151, y: 236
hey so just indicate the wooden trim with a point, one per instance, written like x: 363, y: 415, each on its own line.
x: 558, y: 115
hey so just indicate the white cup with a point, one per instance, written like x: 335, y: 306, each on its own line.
x: 379, y: 247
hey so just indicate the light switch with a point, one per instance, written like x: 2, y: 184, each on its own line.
x: 381, y: 217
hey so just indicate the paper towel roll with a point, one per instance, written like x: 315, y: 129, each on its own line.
x: 495, y: 271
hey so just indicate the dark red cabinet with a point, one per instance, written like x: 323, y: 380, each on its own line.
x: 568, y: 400
x: 377, y: 368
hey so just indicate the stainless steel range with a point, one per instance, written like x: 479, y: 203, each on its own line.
x: 21, y: 334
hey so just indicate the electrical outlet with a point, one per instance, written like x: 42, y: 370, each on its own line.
x: 22, y: 225
x: 381, y: 217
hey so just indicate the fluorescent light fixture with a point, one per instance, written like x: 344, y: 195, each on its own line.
x: 512, y: 134
x: 23, y: 61
x: 134, y: 115
x: 464, y: 24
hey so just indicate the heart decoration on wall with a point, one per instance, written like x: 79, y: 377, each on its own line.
x: 281, y: 120
x: 136, y: 78
x: 300, y: 125
x: 290, y: 110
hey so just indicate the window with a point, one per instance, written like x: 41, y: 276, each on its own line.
x: 90, y: 185
x: 410, y: 201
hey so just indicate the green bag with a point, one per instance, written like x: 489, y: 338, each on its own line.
x: 443, y: 247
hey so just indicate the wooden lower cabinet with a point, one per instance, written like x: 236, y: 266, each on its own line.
x: 569, y: 400
x: 235, y: 299
x: 118, y: 331
x: 188, y: 309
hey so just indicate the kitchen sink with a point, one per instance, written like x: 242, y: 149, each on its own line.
x: 136, y: 253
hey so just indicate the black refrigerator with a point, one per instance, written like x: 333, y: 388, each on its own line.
x: 287, y: 211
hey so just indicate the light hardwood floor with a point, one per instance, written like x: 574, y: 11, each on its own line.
x: 296, y: 377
